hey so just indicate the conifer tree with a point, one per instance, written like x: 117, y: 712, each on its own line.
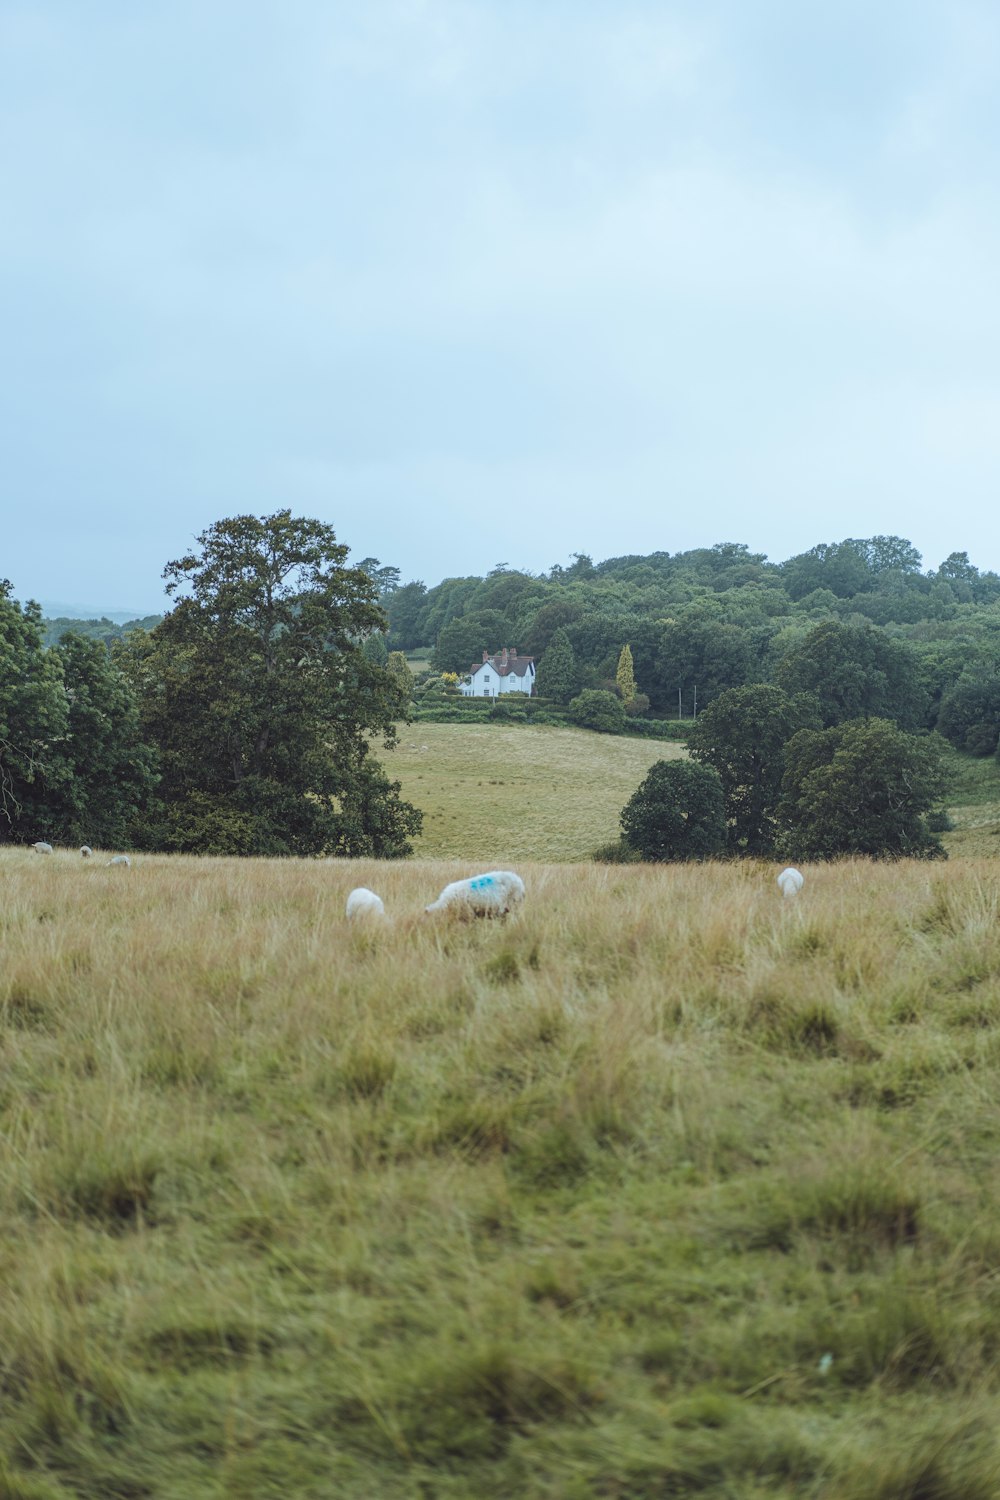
x: 625, y: 675
x: 558, y: 677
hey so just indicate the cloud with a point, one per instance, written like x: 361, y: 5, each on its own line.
x: 656, y: 276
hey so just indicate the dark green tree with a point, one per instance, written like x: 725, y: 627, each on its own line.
x: 403, y: 608
x: 863, y: 787
x: 262, y: 703
x: 970, y: 713
x: 398, y: 669
x: 856, y: 671
x: 35, y: 769
x: 375, y: 648
x: 742, y: 735
x: 110, y: 791
x: 463, y: 640
x: 677, y: 812
x: 596, y: 709
x: 557, y: 676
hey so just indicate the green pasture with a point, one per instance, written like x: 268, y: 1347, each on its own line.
x: 500, y: 793
x: 503, y: 792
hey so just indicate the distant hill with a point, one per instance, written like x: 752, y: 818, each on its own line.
x: 105, y: 629
x: 56, y: 609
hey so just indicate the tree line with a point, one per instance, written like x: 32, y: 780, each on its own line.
x: 241, y: 723
x: 857, y: 622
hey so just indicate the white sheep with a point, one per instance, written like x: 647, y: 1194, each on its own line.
x: 120, y: 859
x: 364, y: 903
x: 86, y: 851
x: 42, y: 848
x: 490, y: 895
x: 790, y: 882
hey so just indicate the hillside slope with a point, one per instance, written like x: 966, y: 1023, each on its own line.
x: 504, y: 792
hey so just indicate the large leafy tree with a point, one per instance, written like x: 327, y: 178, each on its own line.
x: 257, y: 691
x: 107, y: 797
x: 742, y: 735
x: 73, y: 765
x: 34, y: 724
x: 677, y: 812
x: 863, y: 787
x: 856, y: 671
x: 462, y: 641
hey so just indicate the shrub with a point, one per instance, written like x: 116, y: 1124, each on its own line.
x: 677, y: 812
x: 594, y: 709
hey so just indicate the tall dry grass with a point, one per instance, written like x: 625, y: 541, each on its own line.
x: 662, y: 1186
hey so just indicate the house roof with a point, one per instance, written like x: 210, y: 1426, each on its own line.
x: 504, y: 663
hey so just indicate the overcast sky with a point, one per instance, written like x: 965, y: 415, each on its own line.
x: 483, y: 281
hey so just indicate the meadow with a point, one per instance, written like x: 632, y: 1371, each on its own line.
x: 500, y: 792
x: 661, y: 1187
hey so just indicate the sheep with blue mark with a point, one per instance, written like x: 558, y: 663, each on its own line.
x: 491, y: 895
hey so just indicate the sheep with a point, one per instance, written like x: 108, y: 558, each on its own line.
x: 42, y: 848
x: 120, y: 859
x: 364, y: 903
x: 790, y: 882
x: 490, y: 895
x: 86, y: 852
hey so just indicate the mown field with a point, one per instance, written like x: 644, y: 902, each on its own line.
x: 503, y: 792
x: 662, y: 1187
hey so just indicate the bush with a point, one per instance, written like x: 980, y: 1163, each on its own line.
x: 594, y: 709
x: 678, y: 812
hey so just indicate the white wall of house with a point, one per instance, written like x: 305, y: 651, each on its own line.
x: 485, y: 682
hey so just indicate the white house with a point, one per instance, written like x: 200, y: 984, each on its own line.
x: 506, y: 672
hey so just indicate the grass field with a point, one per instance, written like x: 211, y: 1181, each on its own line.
x: 973, y: 801
x: 505, y: 792
x: 662, y: 1187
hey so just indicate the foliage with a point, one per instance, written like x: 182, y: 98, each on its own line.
x: 34, y: 723
x: 103, y: 630
x: 399, y: 671
x: 262, y: 703
x: 855, y: 671
x: 742, y: 735
x: 625, y: 676
x: 73, y: 766
x: 677, y: 812
x: 970, y: 714
x: 863, y: 787
x: 598, y: 710
x: 112, y: 771
x: 462, y: 641
x: 557, y: 676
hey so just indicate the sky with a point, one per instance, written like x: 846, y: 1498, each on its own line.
x: 495, y: 281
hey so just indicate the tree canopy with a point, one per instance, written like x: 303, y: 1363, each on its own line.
x: 676, y: 812
x: 863, y: 787
x: 257, y: 691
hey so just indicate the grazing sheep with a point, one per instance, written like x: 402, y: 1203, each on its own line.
x: 490, y: 895
x: 120, y: 859
x: 86, y: 851
x: 790, y: 882
x: 42, y: 848
x: 364, y: 903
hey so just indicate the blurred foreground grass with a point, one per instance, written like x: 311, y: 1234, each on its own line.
x: 662, y: 1187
